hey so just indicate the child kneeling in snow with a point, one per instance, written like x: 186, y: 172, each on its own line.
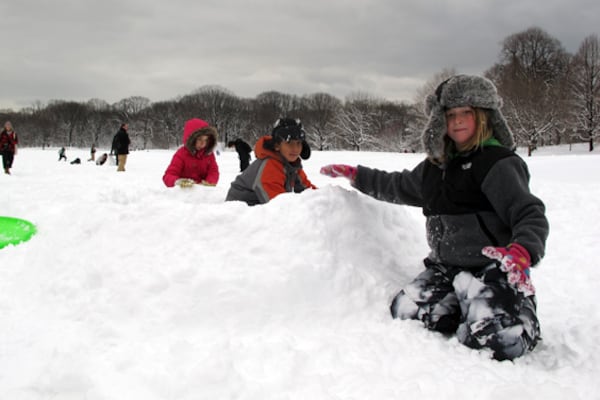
x: 195, y: 161
x: 484, y: 227
x: 277, y: 168
x: 102, y: 159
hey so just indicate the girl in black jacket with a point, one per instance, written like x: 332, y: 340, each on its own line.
x: 484, y: 227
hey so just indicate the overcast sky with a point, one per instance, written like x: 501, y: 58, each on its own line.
x: 113, y: 49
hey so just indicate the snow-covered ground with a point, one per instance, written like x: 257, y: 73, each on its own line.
x: 131, y: 290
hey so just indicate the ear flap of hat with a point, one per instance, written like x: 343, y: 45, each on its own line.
x: 305, y: 153
x: 430, y: 102
x: 269, y: 143
x: 501, y: 130
x: 435, y: 129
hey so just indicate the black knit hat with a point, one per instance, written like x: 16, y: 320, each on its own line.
x: 286, y: 129
x: 462, y: 91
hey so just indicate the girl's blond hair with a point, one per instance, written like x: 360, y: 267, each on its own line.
x: 483, y: 131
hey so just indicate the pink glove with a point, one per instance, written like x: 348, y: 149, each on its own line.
x: 335, y: 170
x: 515, y: 261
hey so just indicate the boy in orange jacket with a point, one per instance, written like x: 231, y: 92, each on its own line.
x: 277, y: 168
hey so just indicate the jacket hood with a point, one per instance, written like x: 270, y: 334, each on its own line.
x: 261, y: 152
x: 195, y: 128
x: 192, y: 126
x: 209, y: 131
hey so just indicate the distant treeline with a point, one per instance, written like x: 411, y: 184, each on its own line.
x: 550, y: 97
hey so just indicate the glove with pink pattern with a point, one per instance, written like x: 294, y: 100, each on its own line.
x: 515, y: 261
x: 336, y: 170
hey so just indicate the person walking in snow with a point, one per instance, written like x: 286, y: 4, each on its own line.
x: 195, y: 161
x: 243, y: 149
x: 93, y: 153
x: 485, y: 228
x: 277, y: 168
x: 8, y: 146
x: 120, y: 146
x: 62, y: 154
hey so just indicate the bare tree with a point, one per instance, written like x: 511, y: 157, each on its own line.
x: 68, y: 120
x: 215, y: 104
x: 239, y: 123
x: 318, y: 114
x: 269, y: 106
x: 222, y: 106
x: 167, y: 125
x: 356, y: 123
x: 530, y: 77
x: 392, y: 127
x: 585, y: 84
x: 133, y: 111
x: 130, y: 106
x: 99, y: 112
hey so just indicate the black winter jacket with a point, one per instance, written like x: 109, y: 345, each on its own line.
x: 475, y: 200
x: 121, y: 142
x: 243, y: 149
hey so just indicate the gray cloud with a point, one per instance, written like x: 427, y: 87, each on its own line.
x: 114, y: 49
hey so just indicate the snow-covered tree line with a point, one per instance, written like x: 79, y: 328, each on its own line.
x: 329, y: 122
x: 550, y: 97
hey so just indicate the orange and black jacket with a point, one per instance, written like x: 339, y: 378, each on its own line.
x: 268, y: 176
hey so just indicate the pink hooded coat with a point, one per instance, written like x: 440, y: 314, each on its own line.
x: 189, y: 163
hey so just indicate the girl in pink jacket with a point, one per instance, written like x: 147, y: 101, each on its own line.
x: 195, y: 161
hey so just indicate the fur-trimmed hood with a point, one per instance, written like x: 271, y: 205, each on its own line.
x: 193, y: 129
x: 462, y: 91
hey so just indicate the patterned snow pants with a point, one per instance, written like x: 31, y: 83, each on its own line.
x: 479, y: 305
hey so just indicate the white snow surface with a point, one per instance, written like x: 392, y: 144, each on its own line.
x: 131, y: 290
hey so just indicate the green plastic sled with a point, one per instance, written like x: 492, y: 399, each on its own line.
x: 15, y: 230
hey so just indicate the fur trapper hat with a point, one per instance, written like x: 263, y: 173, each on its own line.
x: 462, y: 91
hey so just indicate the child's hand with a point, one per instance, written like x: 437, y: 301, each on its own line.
x: 515, y: 261
x: 335, y: 170
x: 184, y: 182
x: 204, y: 183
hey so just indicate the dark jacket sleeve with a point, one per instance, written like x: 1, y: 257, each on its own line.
x: 394, y: 187
x: 507, y: 188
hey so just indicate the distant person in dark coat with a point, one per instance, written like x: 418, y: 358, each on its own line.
x: 120, y: 146
x: 243, y: 149
x: 8, y: 146
x: 62, y: 154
